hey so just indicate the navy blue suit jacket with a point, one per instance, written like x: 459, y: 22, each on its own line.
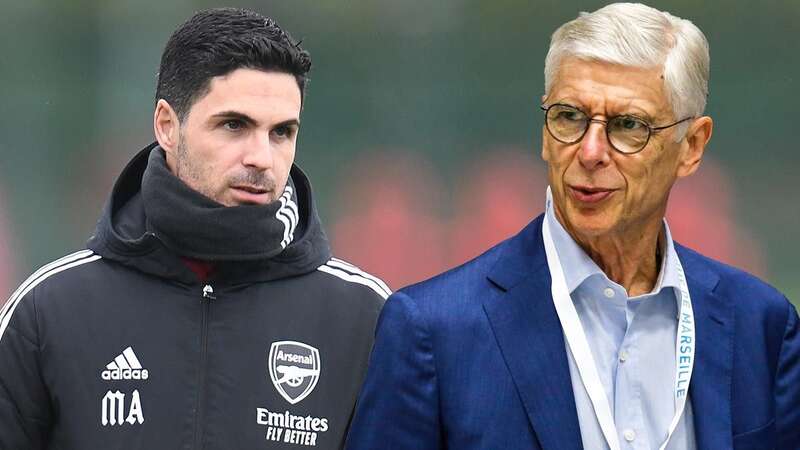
x: 475, y: 359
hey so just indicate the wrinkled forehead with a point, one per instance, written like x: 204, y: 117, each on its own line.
x: 608, y: 87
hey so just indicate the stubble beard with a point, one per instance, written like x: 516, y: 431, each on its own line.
x: 195, y: 175
x: 188, y: 171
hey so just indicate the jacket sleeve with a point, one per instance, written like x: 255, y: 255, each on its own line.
x: 398, y: 408
x: 24, y: 403
x: 787, y: 385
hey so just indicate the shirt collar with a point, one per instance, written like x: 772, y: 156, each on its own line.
x: 578, y: 266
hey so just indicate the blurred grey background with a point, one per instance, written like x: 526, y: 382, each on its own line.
x: 421, y: 128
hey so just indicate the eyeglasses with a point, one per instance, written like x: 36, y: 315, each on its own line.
x: 626, y: 134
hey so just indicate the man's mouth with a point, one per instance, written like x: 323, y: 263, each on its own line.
x: 589, y: 194
x: 250, y: 195
x: 251, y: 189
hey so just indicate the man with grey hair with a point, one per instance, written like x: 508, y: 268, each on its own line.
x: 592, y: 328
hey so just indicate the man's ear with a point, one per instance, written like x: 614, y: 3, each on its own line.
x: 697, y: 136
x: 166, y: 126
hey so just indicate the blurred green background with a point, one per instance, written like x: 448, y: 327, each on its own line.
x: 434, y: 102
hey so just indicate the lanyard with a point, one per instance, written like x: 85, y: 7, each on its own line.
x: 576, y: 339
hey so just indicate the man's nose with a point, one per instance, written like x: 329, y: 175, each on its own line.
x: 595, y: 150
x: 259, y: 152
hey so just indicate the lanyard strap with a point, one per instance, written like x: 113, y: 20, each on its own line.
x: 579, y: 346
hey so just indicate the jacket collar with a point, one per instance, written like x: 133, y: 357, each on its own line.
x: 124, y: 234
x: 530, y: 337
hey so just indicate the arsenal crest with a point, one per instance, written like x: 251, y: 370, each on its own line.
x: 294, y: 369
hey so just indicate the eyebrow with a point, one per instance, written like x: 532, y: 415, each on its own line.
x: 626, y: 109
x: 234, y: 115
x: 288, y: 123
x: 251, y: 121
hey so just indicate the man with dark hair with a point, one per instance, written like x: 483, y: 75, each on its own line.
x: 207, y: 311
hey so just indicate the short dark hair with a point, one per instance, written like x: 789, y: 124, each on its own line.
x: 215, y: 42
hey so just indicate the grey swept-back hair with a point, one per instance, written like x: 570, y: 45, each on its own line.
x: 636, y: 35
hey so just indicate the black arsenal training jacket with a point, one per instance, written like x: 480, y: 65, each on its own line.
x: 122, y: 346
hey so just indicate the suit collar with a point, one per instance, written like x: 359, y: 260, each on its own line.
x: 520, y: 257
x: 710, y: 391
x: 531, y: 341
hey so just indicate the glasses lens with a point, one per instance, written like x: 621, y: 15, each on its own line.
x: 566, y: 123
x: 628, y: 134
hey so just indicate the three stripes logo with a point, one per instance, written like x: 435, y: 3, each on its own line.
x: 348, y: 272
x: 288, y: 214
x: 68, y: 262
x: 125, y: 366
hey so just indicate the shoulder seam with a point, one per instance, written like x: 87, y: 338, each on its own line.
x: 349, y: 267
x: 45, y: 272
x: 350, y: 273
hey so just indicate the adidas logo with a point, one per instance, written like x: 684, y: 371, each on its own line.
x: 126, y: 366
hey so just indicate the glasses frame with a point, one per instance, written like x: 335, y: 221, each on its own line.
x: 651, y: 130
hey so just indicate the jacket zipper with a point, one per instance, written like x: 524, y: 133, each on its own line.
x: 208, y: 295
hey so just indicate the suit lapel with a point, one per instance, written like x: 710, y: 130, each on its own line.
x: 710, y: 390
x: 530, y: 338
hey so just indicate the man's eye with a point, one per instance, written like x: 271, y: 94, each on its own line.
x: 233, y: 125
x: 569, y: 116
x: 282, y: 131
x: 630, y: 123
